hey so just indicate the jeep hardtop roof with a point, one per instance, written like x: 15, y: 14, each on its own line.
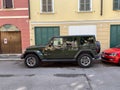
x: 72, y: 36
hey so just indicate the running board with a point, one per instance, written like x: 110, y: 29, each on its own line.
x: 58, y: 60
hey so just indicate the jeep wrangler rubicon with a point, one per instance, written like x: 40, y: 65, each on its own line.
x: 81, y: 49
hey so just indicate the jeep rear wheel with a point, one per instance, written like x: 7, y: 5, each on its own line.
x: 32, y: 61
x: 84, y: 60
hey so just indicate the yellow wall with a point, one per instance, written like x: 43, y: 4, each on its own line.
x: 67, y: 10
x: 66, y: 14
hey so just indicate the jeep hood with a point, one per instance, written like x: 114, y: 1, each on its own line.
x: 112, y: 50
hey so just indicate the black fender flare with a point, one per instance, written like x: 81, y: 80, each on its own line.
x: 88, y: 51
x: 35, y: 52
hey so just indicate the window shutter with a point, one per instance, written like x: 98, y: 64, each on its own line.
x: 49, y: 5
x: 88, y: 5
x: 82, y: 5
x: 44, y: 6
x: 115, y: 4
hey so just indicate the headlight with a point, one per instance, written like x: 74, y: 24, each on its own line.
x: 113, y: 54
x: 38, y: 51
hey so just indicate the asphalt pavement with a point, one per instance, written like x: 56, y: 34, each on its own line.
x: 14, y: 75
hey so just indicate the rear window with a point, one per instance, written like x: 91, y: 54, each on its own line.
x: 86, y: 39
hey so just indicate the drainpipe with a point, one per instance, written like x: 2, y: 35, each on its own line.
x: 29, y: 9
x: 101, y: 11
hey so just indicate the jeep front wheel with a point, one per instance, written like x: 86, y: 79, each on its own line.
x: 84, y: 60
x: 32, y: 61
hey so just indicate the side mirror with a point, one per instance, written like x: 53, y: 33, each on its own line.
x: 51, y: 44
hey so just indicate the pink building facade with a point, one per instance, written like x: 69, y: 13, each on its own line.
x: 14, y: 26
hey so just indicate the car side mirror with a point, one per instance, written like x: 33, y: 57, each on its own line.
x: 51, y: 44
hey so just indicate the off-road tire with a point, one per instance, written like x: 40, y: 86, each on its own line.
x: 31, y: 61
x: 85, y: 60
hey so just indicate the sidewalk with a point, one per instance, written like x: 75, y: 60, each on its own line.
x: 10, y: 57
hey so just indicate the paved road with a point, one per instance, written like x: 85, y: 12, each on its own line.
x: 58, y: 76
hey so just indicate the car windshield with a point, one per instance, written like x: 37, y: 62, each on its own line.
x: 118, y: 46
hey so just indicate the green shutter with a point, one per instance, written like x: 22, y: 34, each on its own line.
x: 114, y: 35
x: 44, y: 34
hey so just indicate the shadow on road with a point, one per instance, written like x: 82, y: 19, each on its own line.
x: 60, y: 64
x: 20, y: 64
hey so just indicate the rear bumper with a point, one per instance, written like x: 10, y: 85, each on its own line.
x: 97, y: 56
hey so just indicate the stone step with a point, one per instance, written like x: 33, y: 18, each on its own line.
x: 10, y: 56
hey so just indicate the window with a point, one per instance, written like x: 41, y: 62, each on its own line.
x: 47, y: 6
x: 116, y: 4
x: 9, y: 27
x: 58, y: 41
x: 7, y: 4
x: 68, y: 43
x: 85, y: 5
x: 87, y: 41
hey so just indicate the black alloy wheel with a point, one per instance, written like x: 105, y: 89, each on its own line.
x: 84, y: 60
x: 32, y: 61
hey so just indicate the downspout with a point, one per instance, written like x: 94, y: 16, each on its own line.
x: 29, y: 9
x: 101, y: 11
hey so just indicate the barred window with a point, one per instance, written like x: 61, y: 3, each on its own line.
x: 47, y: 6
x: 116, y: 4
x: 84, y: 5
x: 7, y: 4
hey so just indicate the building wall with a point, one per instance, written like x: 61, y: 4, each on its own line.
x: 67, y: 10
x: 18, y: 16
x: 66, y: 14
x: 17, y: 3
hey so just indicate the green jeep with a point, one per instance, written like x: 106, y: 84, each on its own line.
x: 81, y: 49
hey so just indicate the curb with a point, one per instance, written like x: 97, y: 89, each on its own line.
x: 11, y: 59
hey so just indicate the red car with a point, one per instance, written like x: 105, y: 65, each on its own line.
x: 111, y: 55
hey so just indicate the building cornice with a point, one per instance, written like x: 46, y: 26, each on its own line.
x: 9, y: 17
x: 75, y: 22
x: 13, y: 9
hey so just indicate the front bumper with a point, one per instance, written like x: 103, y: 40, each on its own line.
x: 109, y: 59
x: 22, y: 56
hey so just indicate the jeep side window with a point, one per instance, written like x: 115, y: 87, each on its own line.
x: 71, y: 43
x: 86, y: 40
x: 57, y: 43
